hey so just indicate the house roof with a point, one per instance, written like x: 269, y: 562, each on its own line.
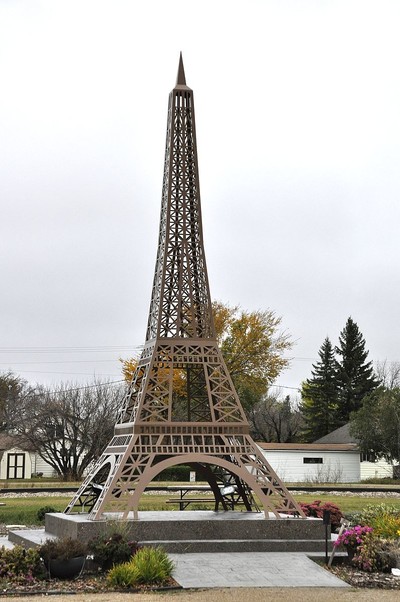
x: 340, y: 435
x: 9, y: 441
x: 310, y: 447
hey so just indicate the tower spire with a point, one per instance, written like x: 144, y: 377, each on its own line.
x: 181, y: 79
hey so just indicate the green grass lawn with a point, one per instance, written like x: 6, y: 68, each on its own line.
x: 24, y: 510
x: 348, y: 503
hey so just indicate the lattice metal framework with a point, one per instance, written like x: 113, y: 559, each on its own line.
x: 181, y: 406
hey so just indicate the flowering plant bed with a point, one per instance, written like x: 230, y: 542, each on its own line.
x: 373, y: 545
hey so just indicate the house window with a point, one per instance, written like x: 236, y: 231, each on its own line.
x: 15, y: 466
x: 368, y: 457
x: 313, y: 461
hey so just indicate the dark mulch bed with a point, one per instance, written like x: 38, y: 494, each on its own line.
x: 84, y: 584
x: 357, y: 578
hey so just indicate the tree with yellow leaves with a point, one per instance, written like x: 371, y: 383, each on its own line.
x: 253, y: 347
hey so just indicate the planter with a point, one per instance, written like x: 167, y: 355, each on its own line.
x: 66, y: 569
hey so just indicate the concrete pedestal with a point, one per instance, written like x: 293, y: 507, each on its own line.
x: 191, y: 531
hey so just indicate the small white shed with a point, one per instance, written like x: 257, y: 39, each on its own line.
x: 19, y: 461
x: 313, y: 462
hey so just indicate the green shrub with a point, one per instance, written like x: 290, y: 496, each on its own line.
x: 175, y: 473
x: 366, y: 556
x: 149, y: 566
x: 381, y: 481
x: 388, y: 554
x: 387, y: 526
x: 122, y: 575
x: 375, y: 512
x: 41, y: 513
x: 375, y: 554
x: 152, y: 565
x: 62, y: 549
x: 110, y: 549
x: 383, y: 518
x: 21, y: 566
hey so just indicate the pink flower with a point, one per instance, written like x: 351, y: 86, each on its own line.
x: 353, y: 536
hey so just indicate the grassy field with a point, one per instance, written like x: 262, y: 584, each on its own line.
x: 348, y: 503
x: 24, y: 510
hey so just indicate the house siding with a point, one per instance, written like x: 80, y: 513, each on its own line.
x: 336, y: 467
x: 379, y: 469
x: 40, y: 466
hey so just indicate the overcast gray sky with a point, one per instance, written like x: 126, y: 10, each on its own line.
x: 298, y: 126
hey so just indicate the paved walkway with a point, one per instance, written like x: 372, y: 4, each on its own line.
x: 254, y: 569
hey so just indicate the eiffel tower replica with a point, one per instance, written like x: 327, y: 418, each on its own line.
x: 181, y: 406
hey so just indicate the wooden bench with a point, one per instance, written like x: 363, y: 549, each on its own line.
x: 185, y: 501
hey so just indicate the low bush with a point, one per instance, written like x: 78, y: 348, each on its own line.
x: 381, y: 481
x: 365, y: 557
x: 317, y: 508
x: 380, y: 548
x: 372, y: 515
x: 376, y: 554
x: 383, y: 518
x: 41, y: 513
x: 353, y: 537
x: 122, y: 575
x: 175, y: 473
x: 111, y: 549
x: 20, y: 566
x: 388, y: 554
x: 62, y: 549
x: 152, y: 565
x: 386, y: 526
x: 149, y: 566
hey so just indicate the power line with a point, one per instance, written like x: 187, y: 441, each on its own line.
x: 60, y: 362
x: 111, y: 382
x: 286, y: 387
x: 76, y: 349
x: 68, y: 373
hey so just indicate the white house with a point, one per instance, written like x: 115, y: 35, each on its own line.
x: 370, y: 468
x: 313, y: 462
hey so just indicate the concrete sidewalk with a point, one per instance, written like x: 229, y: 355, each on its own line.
x: 251, y: 569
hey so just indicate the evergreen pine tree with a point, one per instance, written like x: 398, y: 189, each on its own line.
x: 320, y: 395
x: 355, y: 377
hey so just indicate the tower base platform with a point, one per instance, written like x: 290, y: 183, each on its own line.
x: 190, y: 531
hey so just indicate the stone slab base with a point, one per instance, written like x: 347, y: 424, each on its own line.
x: 191, y: 531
